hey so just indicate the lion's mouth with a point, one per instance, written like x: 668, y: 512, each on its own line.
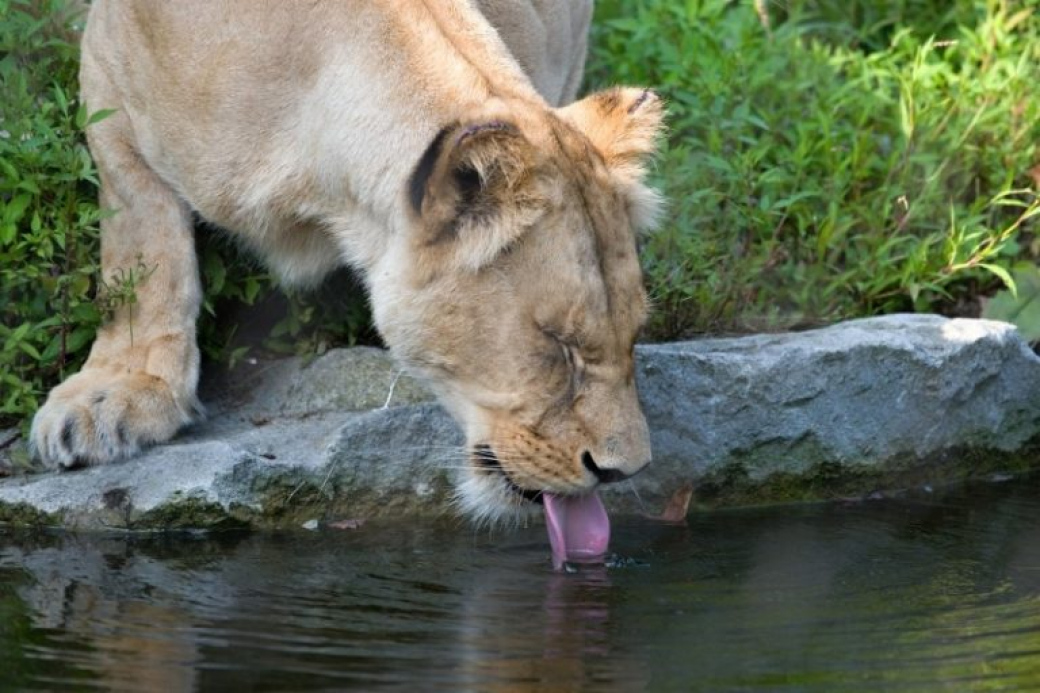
x: 579, y: 528
x: 486, y: 459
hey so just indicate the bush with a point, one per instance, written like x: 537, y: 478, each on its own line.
x: 48, y: 212
x: 820, y: 170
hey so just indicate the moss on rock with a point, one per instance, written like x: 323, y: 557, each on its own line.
x: 25, y: 515
x: 733, y: 484
x: 189, y: 513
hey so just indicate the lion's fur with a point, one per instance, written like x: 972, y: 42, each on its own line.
x: 410, y: 139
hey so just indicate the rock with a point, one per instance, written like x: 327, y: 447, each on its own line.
x: 864, y: 405
x: 340, y: 380
x: 859, y: 399
x: 8, y: 437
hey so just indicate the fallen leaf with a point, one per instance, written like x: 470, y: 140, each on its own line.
x: 677, y: 507
x: 346, y: 524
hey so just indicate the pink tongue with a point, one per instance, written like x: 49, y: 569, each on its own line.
x: 579, y: 529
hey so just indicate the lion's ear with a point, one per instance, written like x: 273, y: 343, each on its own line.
x: 469, y: 190
x: 624, y: 125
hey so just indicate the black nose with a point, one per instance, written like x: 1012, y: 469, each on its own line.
x: 605, y: 476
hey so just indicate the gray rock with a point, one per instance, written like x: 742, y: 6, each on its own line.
x: 866, y: 397
x: 340, y: 380
x: 8, y: 436
x: 864, y: 405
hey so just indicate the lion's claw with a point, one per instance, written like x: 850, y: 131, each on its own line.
x: 98, y: 417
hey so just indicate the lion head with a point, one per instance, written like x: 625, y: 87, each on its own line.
x: 524, y: 294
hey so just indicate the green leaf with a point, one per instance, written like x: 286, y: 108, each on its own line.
x: 29, y: 349
x: 80, y: 337
x: 28, y: 185
x: 16, y: 336
x: 51, y: 351
x: 215, y: 273
x: 98, y: 116
x: 1001, y: 274
x: 1021, y: 310
x: 15, y: 209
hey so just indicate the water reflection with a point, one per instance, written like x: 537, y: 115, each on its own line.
x: 557, y: 633
x: 104, y: 611
x: 263, y: 613
x: 921, y: 593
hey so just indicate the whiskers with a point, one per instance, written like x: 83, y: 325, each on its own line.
x: 453, y: 458
x: 487, y: 495
x: 489, y: 501
x: 635, y: 492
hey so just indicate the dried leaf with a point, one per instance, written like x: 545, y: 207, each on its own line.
x: 677, y: 507
x: 346, y: 524
x: 1034, y: 173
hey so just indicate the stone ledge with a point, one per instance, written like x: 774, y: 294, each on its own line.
x: 844, y: 410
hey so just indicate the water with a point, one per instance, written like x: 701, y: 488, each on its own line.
x: 929, y: 592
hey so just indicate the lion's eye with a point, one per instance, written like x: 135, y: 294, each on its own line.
x: 568, y: 354
x: 572, y: 358
x: 575, y: 364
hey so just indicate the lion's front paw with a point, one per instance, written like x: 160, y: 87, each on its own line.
x: 98, y: 416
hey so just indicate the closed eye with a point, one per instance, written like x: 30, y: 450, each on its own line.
x: 575, y: 367
x: 572, y: 357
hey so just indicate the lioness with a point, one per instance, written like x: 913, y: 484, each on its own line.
x: 494, y: 231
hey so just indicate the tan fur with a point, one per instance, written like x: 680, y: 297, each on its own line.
x: 501, y: 264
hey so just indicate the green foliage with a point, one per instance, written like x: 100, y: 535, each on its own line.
x: 870, y: 25
x: 120, y: 290
x: 48, y: 214
x: 1021, y: 304
x: 817, y: 169
x: 244, y: 307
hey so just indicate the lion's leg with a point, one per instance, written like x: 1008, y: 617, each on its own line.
x: 138, y: 385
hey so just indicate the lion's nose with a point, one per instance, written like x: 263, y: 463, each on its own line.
x: 605, y: 476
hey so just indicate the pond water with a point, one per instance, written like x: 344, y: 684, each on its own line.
x: 932, y: 591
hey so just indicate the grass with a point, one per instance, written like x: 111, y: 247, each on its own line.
x: 826, y: 159
x: 819, y: 169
